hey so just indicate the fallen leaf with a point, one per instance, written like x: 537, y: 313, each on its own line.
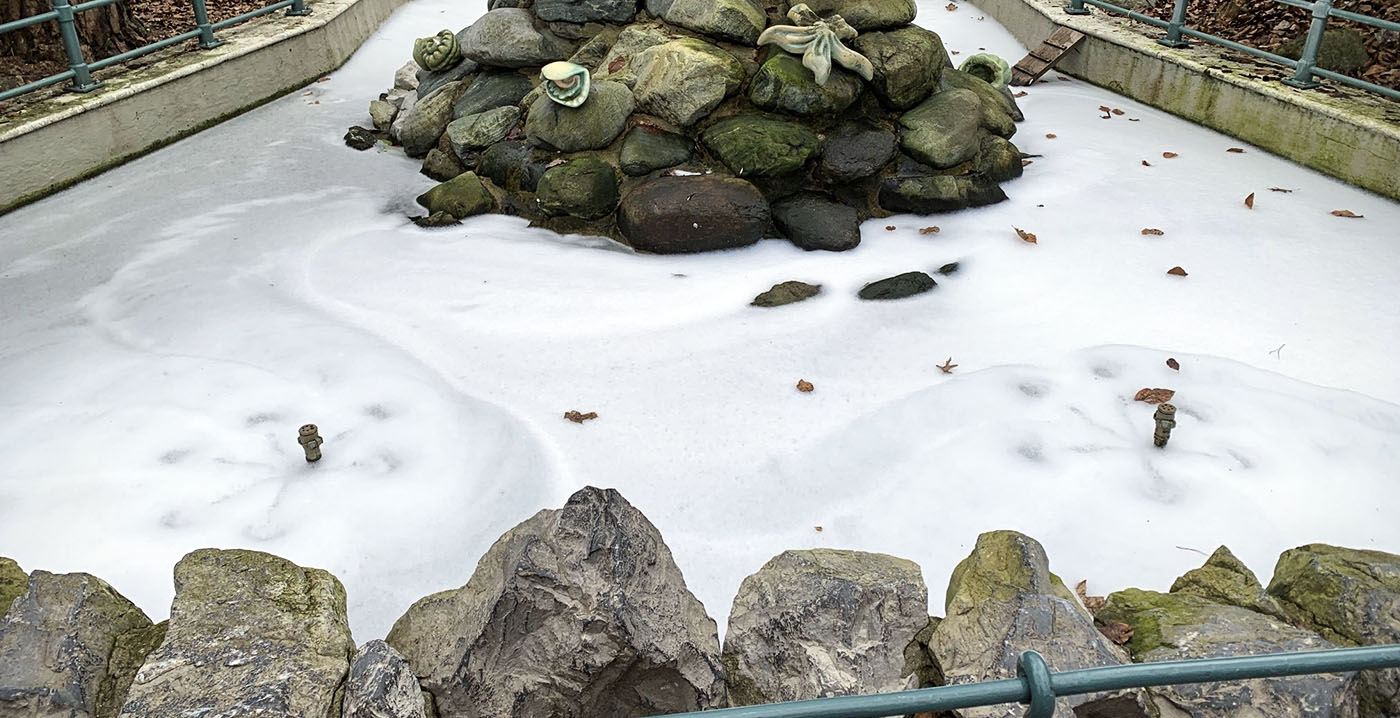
x: 1145, y: 163
x: 1093, y: 603
x: 928, y: 230
x: 1176, y: 272
x: 616, y: 64
x: 308, y: 93
x: 1154, y: 396
x: 556, y: 162
x: 1103, y: 108
x: 578, y: 418
x: 818, y: 529
x: 1020, y: 94
x: 950, y: 7
x: 324, y: 79
x: 1062, y: 78
x: 1236, y: 150
x: 1173, y: 364
x: 1280, y: 189
x: 804, y: 386
x: 1115, y: 631
x: 1150, y: 230
x: 948, y: 366
x: 1026, y: 163
x: 1346, y: 213
x: 956, y: 52
x: 1023, y: 234
x: 1049, y: 135
x: 1117, y: 111
x: 889, y: 228
x: 1249, y: 201
x: 1169, y: 155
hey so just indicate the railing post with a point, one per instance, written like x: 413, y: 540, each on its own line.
x: 1076, y: 7
x: 1303, y: 77
x: 1173, y: 38
x: 206, y: 30
x: 82, y: 79
x: 298, y: 9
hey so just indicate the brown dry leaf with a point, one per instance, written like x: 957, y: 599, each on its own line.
x: 1236, y: 150
x: 1020, y: 94
x: 1117, y: 111
x: 1280, y: 189
x: 928, y: 230
x: 1145, y: 163
x: 818, y: 529
x: 1062, y: 78
x: 1049, y: 135
x: 804, y: 386
x: 1346, y: 213
x: 947, y: 366
x: 324, y: 79
x: 556, y: 162
x: 1173, y: 364
x: 1103, y: 108
x: 578, y: 418
x: 1115, y: 631
x: 1176, y: 272
x: 1169, y: 155
x: 1249, y: 201
x: 1026, y: 163
x: 1156, y: 232
x: 616, y: 64
x: 889, y: 228
x: 950, y: 7
x: 1154, y: 396
x: 1023, y: 234
x: 1093, y: 603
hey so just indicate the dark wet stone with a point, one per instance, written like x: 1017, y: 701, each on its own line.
x: 898, y: 286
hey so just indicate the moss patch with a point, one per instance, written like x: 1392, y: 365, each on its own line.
x: 1152, y: 615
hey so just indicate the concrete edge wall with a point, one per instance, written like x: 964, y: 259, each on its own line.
x: 73, y: 137
x: 1354, y: 136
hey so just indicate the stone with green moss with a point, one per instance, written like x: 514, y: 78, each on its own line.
x: 249, y: 633
x: 590, y: 126
x: 999, y: 110
x: 1342, y: 50
x: 907, y: 62
x: 56, y: 645
x: 461, y: 196
x: 13, y: 583
x: 1181, y: 626
x: 1225, y: 579
x: 736, y: 20
x: 681, y: 81
x: 754, y: 146
x: 585, y: 187
x: 945, y: 130
x: 784, y: 84
x: 997, y: 159
x: 647, y: 149
x: 1350, y: 596
x: 867, y: 14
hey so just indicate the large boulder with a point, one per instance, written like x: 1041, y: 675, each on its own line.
x: 490, y: 91
x: 461, y: 196
x: 736, y: 20
x: 250, y: 633
x: 1226, y: 580
x: 57, y: 642
x: 1351, y: 597
x: 868, y: 14
x: 997, y: 159
x: 681, y: 81
x: 813, y: 222
x: 943, y: 131
x: 481, y: 130
x: 823, y: 622
x: 618, y: 64
x: 513, y: 165
x: 920, y: 189
x: 675, y: 215
x: 784, y: 84
x: 584, y: 187
x: 13, y: 583
x: 426, y: 120
x: 507, y: 37
x: 429, y: 80
x: 855, y: 151
x: 1002, y: 600
x: 382, y: 685
x: 578, y: 611
x: 590, y: 126
x: 756, y: 146
x: 581, y: 11
x: 990, y: 96
x: 907, y: 63
x: 1182, y: 626
x: 647, y: 149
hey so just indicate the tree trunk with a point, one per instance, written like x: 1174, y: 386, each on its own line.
x: 102, y: 32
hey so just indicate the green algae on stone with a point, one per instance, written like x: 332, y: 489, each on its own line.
x: 1225, y: 579
x: 754, y: 146
x: 907, y: 62
x: 461, y: 196
x: 585, y: 187
x: 1153, y: 615
x: 783, y: 84
x: 786, y: 293
x: 1001, y: 566
x: 13, y: 583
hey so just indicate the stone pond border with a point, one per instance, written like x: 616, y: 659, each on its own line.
x: 1352, y: 135
x: 58, y: 141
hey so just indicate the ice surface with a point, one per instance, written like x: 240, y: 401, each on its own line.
x: 168, y: 325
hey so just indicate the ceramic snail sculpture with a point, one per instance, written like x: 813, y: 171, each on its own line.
x: 566, y: 83
x: 438, y: 52
x: 818, y: 41
x: 989, y: 67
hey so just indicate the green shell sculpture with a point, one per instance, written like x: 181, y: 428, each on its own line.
x: 566, y: 83
x: 437, y: 53
x: 818, y: 41
x: 989, y: 67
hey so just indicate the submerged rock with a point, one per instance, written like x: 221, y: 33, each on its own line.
x: 786, y: 293
x: 898, y: 286
x: 576, y: 612
x: 674, y: 215
x: 461, y: 196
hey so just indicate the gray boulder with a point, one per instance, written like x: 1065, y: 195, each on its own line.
x: 426, y: 120
x: 907, y: 63
x: 677, y: 215
x: 736, y: 20
x: 1351, y: 597
x: 581, y: 11
x: 943, y: 131
x: 578, y: 611
x: 1003, y: 600
x: 997, y: 99
x: 681, y: 81
x: 783, y: 84
x: 815, y: 223
x: 406, y: 77
x: 490, y: 91
x: 868, y: 14
x: 382, y: 113
x: 590, y: 126
x: 1181, y: 626
x: 381, y: 685
x: 249, y: 634
x: 513, y: 165
x: 506, y: 37
x: 855, y: 151
x: 481, y: 130
x: 56, y: 647
x: 820, y: 623
x: 618, y: 64
x: 647, y: 149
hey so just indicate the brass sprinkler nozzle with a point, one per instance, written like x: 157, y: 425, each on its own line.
x: 311, y: 442
x: 1165, y: 417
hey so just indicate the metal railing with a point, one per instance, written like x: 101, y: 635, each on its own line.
x: 1038, y: 687
x: 80, y: 70
x: 1304, y: 68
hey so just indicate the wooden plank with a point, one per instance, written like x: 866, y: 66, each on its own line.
x: 1065, y: 38
x: 1034, y: 65
x: 1046, y: 54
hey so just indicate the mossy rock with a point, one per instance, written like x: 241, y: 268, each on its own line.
x: 13, y: 583
x: 1348, y: 595
x: 868, y: 14
x: 908, y: 63
x: 920, y: 189
x: 993, y: 100
x: 1003, y: 565
x: 1153, y: 614
x: 754, y: 146
x: 1342, y: 50
x: 737, y: 20
x: 781, y: 294
x: 590, y: 126
x: 683, y: 80
x: 784, y: 84
x: 998, y: 160
x: 461, y: 196
x: 919, y: 660
x: 647, y: 149
x: 585, y: 187
x: 1225, y: 579
x: 513, y: 165
x: 945, y: 130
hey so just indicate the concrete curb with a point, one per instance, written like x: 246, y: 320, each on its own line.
x: 66, y: 138
x: 1352, y: 135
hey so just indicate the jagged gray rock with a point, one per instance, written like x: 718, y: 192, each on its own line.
x: 1002, y: 600
x: 737, y: 20
x: 579, y: 611
x: 426, y: 120
x: 581, y: 11
x: 681, y: 81
x: 506, y: 37
x: 381, y: 685
x: 481, y: 130
x: 250, y: 633
x: 823, y: 622
x: 1225, y: 579
x: 56, y: 646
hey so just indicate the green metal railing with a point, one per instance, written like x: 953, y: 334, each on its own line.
x: 1038, y: 687
x: 80, y: 70
x: 1304, y: 68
